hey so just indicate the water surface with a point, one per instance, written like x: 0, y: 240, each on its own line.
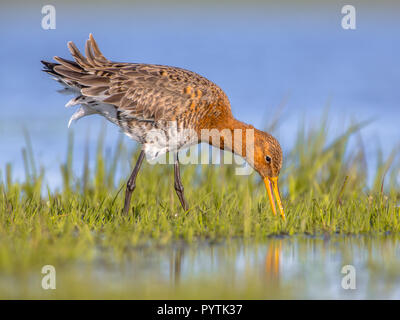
x: 299, y: 267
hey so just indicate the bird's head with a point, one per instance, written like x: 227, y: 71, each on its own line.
x: 268, y: 163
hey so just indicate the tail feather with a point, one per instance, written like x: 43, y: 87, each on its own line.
x: 86, y: 78
x: 81, y: 72
x: 94, y: 58
x: 97, y: 53
x: 49, y: 67
x: 70, y: 86
x: 79, y: 58
x: 68, y: 73
x: 69, y: 64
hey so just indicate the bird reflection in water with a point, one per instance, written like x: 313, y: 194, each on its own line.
x: 175, y: 265
x: 272, y: 261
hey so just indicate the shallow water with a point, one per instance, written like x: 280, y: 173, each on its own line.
x: 278, y: 268
x: 299, y: 267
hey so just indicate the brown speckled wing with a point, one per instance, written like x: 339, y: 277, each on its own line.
x: 139, y: 91
x: 151, y: 92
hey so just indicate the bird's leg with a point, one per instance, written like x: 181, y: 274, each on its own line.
x: 131, y: 185
x: 178, y: 184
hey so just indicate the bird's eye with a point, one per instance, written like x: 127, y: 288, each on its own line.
x: 268, y: 159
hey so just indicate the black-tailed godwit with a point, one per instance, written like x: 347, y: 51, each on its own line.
x: 141, y: 98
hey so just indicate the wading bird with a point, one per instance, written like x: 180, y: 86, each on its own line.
x: 141, y: 97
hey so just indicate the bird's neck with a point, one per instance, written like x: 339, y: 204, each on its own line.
x: 230, y: 134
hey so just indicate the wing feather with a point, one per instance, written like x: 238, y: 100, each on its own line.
x: 139, y: 91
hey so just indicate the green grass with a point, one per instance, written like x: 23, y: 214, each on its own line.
x: 324, y: 188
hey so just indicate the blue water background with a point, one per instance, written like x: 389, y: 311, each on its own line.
x: 263, y: 56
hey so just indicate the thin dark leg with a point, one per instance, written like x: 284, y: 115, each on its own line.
x: 178, y: 185
x: 131, y: 185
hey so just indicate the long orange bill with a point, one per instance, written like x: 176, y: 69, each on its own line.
x: 271, y: 184
x: 268, y: 186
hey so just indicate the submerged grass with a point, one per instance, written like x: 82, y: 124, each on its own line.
x: 324, y: 187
